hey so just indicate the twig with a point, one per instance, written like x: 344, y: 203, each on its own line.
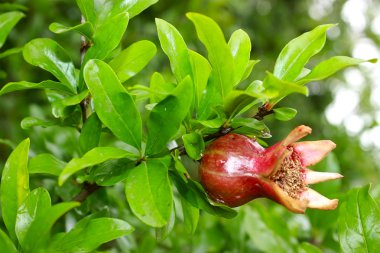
x: 86, y: 191
x: 261, y: 113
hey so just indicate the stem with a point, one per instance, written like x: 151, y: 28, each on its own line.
x: 83, y: 50
x: 263, y: 111
x: 86, y: 191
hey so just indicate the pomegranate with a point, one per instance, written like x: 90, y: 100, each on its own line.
x: 236, y: 169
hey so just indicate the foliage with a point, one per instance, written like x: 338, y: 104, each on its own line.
x: 143, y: 142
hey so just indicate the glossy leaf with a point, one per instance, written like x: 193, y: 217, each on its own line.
x: 201, y: 70
x: 97, y: 12
x: 329, y: 67
x: 240, y: 46
x: 284, y: 113
x: 298, y: 51
x: 308, y: 248
x: 248, y: 69
x: 175, y: 48
x: 88, y: 235
x: 166, y: 117
x: 190, y: 216
x: 276, y: 89
x: 29, y: 122
x: 24, y: 85
x: 112, y: 171
x: 93, y: 157
x: 194, y: 193
x: 50, y: 56
x: 219, y: 54
x: 35, y: 218
x: 251, y: 123
x: 86, y: 29
x: 238, y: 101
x: 11, y: 51
x: 107, y: 37
x: 194, y: 145
x: 7, y: 21
x: 75, y: 99
x: 46, y: 164
x: 159, y: 88
x: 150, y: 182
x: 14, y: 184
x: 268, y: 232
x: 113, y: 104
x: 6, y: 244
x: 359, y: 222
x: 90, y: 134
x: 136, y: 7
x: 133, y: 59
x: 163, y: 232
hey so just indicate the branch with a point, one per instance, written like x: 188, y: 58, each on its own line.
x: 86, y: 191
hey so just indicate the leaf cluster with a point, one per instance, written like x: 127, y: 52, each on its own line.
x: 142, y: 136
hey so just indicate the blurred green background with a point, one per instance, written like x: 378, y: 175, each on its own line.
x: 345, y: 109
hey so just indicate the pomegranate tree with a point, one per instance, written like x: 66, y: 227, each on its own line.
x: 236, y: 169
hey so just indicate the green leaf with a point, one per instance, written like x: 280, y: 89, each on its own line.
x: 175, y: 48
x: 46, y: 164
x: 248, y: 69
x: 329, y: 67
x: 29, y: 122
x: 190, y: 216
x: 201, y: 70
x: 107, y: 37
x: 167, y: 116
x: 7, y: 22
x: 240, y: 46
x: 268, y: 232
x: 238, y: 100
x: 298, y: 51
x: 359, y: 222
x: 150, y: 182
x: 90, y: 134
x: 37, y: 203
x: 219, y: 54
x: 97, y: 12
x: 306, y: 247
x: 163, y: 232
x: 133, y: 59
x: 12, y: 7
x: 36, y: 217
x: 88, y: 235
x: 6, y: 244
x: 159, y: 88
x: 14, y: 186
x: 194, y: 193
x: 194, y: 145
x: 136, y: 7
x: 113, y: 104
x: 112, y: 171
x: 252, y: 123
x: 276, y: 89
x: 86, y: 29
x: 75, y: 99
x: 11, y: 51
x: 50, y: 56
x: 93, y: 157
x: 284, y: 113
x: 24, y: 85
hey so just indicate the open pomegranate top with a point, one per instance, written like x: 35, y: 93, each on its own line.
x: 236, y: 169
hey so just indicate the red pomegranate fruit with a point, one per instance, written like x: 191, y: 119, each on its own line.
x: 236, y: 169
